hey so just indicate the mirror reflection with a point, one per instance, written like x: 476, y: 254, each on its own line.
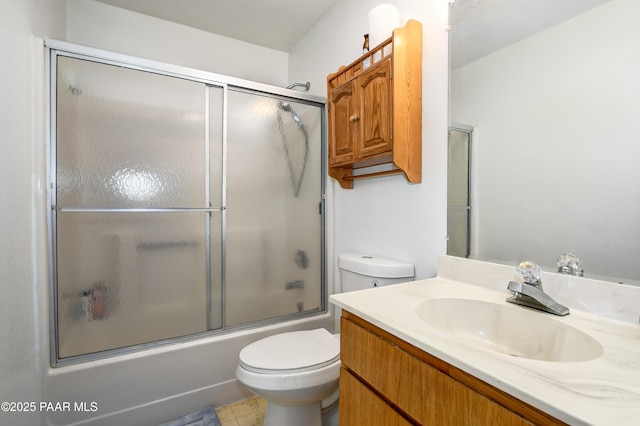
x: 547, y: 93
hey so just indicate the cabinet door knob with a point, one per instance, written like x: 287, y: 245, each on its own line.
x: 354, y: 118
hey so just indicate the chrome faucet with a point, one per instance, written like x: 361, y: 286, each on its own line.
x: 530, y: 293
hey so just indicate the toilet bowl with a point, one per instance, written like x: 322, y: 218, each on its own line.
x: 330, y: 407
x: 298, y: 372
x: 294, y: 372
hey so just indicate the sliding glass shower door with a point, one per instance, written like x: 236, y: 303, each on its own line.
x: 178, y: 207
x: 274, y: 223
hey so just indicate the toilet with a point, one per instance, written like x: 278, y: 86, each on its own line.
x: 297, y: 372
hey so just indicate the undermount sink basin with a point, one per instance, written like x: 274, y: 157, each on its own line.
x: 509, y: 330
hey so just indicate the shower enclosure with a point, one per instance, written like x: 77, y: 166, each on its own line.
x: 459, y: 193
x: 181, y: 203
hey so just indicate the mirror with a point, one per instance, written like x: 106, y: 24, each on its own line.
x: 552, y: 92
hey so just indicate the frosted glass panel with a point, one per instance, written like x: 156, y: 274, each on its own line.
x: 273, y: 236
x: 215, y: 271
x: 216, y: 120
x: 458, y: 232
x: 458, y: 175
x: 458, y: 193
x: 127, y: 138
x: 129, y: 278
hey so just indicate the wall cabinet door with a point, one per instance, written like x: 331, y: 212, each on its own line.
x: 343, y: 132
x: 360, y: 116
x: 375, y: 110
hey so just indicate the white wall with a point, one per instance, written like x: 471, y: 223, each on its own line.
x: 557, y: 151
x: 153, y: 386
x: 107, y: 27
x: 22, y: 263
x: 387, y: 216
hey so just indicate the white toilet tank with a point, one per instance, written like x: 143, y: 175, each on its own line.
x: 361, y: 271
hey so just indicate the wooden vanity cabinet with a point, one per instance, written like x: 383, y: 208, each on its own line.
x: 375, y: 110
x: 384, y: 380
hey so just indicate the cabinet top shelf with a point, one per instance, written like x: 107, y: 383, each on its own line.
x: 360, y: 65
x: 375, y: 55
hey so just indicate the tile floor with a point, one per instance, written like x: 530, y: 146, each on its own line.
x: 248, y: 412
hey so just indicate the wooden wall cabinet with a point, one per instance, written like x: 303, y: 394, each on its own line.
x: 375, y: 110
x: 383, y: 377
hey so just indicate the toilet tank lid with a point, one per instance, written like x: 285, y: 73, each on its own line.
x: 375, y: 266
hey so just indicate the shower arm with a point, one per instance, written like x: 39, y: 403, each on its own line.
x: 306, y: 85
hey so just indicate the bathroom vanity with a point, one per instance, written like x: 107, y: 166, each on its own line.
x: 395, y: 381
x: 450, y: 350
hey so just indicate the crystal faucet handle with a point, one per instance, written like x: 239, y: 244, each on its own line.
x: 530, y: 272
x: 568, y: 263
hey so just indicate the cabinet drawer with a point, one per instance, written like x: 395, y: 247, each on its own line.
x: 424, y: 393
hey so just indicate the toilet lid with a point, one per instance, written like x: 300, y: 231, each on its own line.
x: 295, y: 351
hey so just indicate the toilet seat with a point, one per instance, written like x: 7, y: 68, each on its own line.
x: 293, y: 352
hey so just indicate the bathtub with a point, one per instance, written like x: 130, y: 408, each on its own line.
x: 153, y: 386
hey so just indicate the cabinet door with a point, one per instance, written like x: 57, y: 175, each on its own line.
x: 375, y: 110
x: 360, y: 406
x: 342, y: 124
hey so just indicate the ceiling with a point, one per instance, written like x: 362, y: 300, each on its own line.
x: 277, y: 24
x: 478, y: 27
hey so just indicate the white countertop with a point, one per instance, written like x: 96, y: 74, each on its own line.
x: 602, y: 391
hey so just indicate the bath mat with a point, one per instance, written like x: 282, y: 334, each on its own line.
x: 205, y: 417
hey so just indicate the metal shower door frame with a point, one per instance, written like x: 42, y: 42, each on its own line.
x: 56, y: 48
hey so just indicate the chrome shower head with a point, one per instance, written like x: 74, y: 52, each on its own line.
x: 306, y: 85
x: 285, y: 106
x: 288, y: 110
